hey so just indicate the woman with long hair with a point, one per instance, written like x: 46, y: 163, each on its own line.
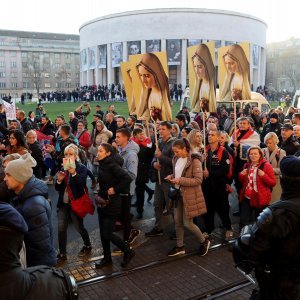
x: 100, y: 135
x: 189, y: 202
x: 257, y: 179
x: 237, y: 80
x: 113, y: 180
x: 17, y: 142
x: 204, y: 95
x: 155, y: 95
x: 195, y: 140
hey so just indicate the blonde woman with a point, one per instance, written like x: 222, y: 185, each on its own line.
x: 273, y: 154
x: 155, y: 97
x: 203, y: 97
x: 195, y: 140
x: 175, y: 130
x: 237, y: 80
x: 74, y: 177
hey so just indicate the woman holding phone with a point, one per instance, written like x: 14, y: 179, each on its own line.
x: 71, y: 179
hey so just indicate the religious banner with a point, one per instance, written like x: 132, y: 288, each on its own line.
x: 10, y: 110
x: 151, y: 86
x: 116, y: 54
x: 102, y: 56
x: 201, y: 66
x: 234, y: 72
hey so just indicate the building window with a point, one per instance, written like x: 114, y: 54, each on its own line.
x: 24, y: 64
x: 13, y: 53
x: 24, y: 54
x: 57, y: 56
x: 1, y: 53
x: 2, y: 85
x: 68, y: 85
x: 67, y: 56
x: 25, y: 75
x: 68, y: 66
x: 56, y: 66
x: 13, y: 75
x: 2, y: 64
x: 46, y: 55
x: 25, y: 85
x: 2, y: 74
x: 47, y: 66
x: 47, y: 85
x: 46, y: 75
x: 14, y: 85
x: 13, y: 64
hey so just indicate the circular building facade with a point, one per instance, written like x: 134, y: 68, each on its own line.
x: 107, y: 41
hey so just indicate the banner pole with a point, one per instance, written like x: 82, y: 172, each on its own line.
x: 156, y: 144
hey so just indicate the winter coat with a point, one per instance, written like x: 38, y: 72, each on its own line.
x: 26, y: 125
x: 190, y: 186
x: 111, y: 174
x: 264, y: 184
x: 37, y: 153
x: 77, y: 184
x: 33, y: 205
x: 130, y: 156
x: 84, y: 139
x: 271, y: 127
x: 47, y: 129
x: 274, y: 159
x: 290, y: 146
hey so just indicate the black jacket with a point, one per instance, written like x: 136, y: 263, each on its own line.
x: 26, y: 125
x: 111, y: 174
x: 145, y: 157
x: 290, y: 146
x: 48, y: 129
x: 270, y: 127
x: 37, y: 153
x: 77, y: 184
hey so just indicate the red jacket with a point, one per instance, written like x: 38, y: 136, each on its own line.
x: 264, y: 183
x: 85, y: 140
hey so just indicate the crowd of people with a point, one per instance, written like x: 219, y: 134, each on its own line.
x: 195, y: 165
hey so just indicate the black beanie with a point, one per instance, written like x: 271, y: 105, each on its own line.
x: 290, y: 166
x: 274, y: 116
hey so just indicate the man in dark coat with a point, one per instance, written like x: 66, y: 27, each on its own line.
x: 272, y: 126
x: 287, y: 142
x: 31, y: 202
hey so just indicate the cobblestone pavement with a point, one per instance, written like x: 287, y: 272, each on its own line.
x: 153, y: 275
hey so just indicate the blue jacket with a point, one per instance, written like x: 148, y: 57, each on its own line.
x: 33, y: 205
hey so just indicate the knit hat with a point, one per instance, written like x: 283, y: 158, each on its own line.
x: 290, y: 166
x: 274, y: 116
x: 21, y: 169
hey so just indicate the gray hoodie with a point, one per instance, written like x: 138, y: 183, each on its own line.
x: 129, y: 154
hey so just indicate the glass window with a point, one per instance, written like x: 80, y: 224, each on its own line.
x: 13, y: 64
x: 57, y: 55
x: 13, y: 75
x: 2, y: 74
x: 13, y: 53
x: 25, y: 85
x: 1, y: 53
x: 24, y: 54
x: 47, y: 85
x: 2, y: 64
x: 14, y: 84
x: 2, y: 84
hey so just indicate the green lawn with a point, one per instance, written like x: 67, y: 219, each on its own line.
x: 63, y: 108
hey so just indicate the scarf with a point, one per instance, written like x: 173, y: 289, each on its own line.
x: 146, y: 142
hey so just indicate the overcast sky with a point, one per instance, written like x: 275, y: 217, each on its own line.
x: 66, y: 16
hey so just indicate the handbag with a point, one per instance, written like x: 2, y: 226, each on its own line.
x: 174, y: 194
x: 83, y: 205
x: 101, y: 202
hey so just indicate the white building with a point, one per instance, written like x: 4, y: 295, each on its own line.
x: 106, y: 41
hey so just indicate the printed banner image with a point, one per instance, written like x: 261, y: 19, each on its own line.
x: 116, y: 54
x: 151, y: 86
x: 92, y: 58
x: 152, y: 46
x: 174, y: 52
x: 201, y: 66
x: 127, y: 68
x: 134, y: 47
x: 102, y: 56
x: 234, y: 72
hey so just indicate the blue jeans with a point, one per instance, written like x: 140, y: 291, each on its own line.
x: 64, y: 214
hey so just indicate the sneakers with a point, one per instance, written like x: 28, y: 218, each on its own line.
x: 127, y: 258
x: 228, y: 235
x: 204, y: 247
x: 176, y: 251
x: 154, y: 232
x: 85, y: 250
x: 134, y: 233
x: 117, y: 250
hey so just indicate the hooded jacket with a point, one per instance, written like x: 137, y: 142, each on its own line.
x: 33, y: 205
x: 130, y: 156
